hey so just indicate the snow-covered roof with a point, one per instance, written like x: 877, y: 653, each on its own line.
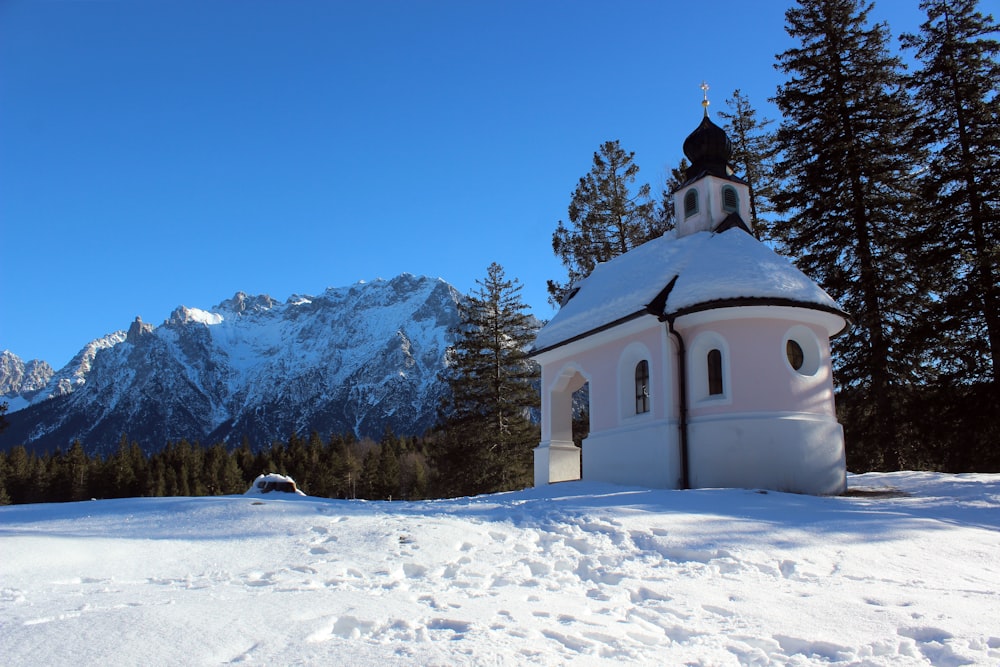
x: 711, y: 270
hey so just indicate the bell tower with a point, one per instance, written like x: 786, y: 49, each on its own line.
x: 713, y: 198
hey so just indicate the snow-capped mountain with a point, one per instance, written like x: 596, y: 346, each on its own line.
x: 354, y: 359
x: 21, y: 381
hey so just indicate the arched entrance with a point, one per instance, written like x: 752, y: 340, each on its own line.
x: 557, y: 457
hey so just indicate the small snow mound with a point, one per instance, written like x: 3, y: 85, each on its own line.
x: 273, y: 482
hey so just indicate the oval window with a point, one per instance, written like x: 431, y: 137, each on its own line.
x: 795, y: 355
x: 803, y: 351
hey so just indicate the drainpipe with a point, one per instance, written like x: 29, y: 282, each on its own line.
x: 682, y: 424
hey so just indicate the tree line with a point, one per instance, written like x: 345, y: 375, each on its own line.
x: 336, y: 467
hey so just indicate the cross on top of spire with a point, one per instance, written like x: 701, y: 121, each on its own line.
x: 708, y: 148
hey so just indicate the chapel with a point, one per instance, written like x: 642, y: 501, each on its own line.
x: 706, y: 355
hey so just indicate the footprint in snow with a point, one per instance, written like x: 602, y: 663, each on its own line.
x: 414, y: 571
x: 347, y: 627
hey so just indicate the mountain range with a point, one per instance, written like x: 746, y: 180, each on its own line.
x: 355, y: 359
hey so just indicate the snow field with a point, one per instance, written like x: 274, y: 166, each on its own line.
x: 575, y: 573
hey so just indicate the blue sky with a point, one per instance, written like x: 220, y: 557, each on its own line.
x: 157, y: 153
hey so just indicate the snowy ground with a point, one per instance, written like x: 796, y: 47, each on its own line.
x: 574, y: 573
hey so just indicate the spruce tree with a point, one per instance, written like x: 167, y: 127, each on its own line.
x: 956, y: 89
x: 413, y: 476
x: 847, y: 161
x: 4, y: 495
x: 70, y: 473
x: 663, y: 212
x: 347, y: 466
x: 185, y: 468
x: 606, y: 217
x: 753, y: 158
x: 487, y: 435
x: 156, y: 485
x: 386, y: 483
x: 245, y: 461
x: 368, y: 477
x: 317, y: 476
x: 220, y: 474
x: 126, y: 472
x: 19, y: 468
x: 4, y: 476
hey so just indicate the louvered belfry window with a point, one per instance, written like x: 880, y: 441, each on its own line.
x: 730, y: 200
x: 690, y: 203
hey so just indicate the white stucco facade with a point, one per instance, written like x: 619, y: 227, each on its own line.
x: 772, y: 426
x: 624, y: 447
x: 706, y: 356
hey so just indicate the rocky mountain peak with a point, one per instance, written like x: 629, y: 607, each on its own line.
x: 138, y: 329
x: 352, y: 360
x: 242, y: 302
x: 20, y: 377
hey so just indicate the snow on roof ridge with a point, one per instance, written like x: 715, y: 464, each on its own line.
x: 709, y: 266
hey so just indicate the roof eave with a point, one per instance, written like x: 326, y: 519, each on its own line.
x: 590, y: 332
x: 737, y: 302
x: 654, y: 308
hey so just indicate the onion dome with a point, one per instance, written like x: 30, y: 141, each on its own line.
x: 708, y: 149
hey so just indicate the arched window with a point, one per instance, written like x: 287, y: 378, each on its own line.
x: 642, y: 387
x: 709, y: 361
x: 632, y: 384
x: 690, y: 203
x: 730, y: 200
x: 714, y: 372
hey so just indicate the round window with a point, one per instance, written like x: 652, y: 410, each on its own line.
x: 802, y: 350
x: 795, y: 356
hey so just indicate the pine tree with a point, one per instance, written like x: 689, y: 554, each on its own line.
x: 848, y: 158
x: 19, y: 469
x: 368, y: 477
x: 220, y: 474
x: 245, y: 462
x: 606, y: 218
x: 295, y: 459
x: 317, y: 476
x: 185, y: 468
x: 343, y: 464
x: 5, y: 498
x: 753, y: 158
x: 956, y: 90
x: 386, y: 482
x: 414, y: 476
x: 157, y: 485
x: 126, y: 469
x: 487, y: 434
x: 71, y: 474
x: 663, y: 212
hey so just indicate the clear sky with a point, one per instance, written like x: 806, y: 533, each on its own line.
x: 157, y: 153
